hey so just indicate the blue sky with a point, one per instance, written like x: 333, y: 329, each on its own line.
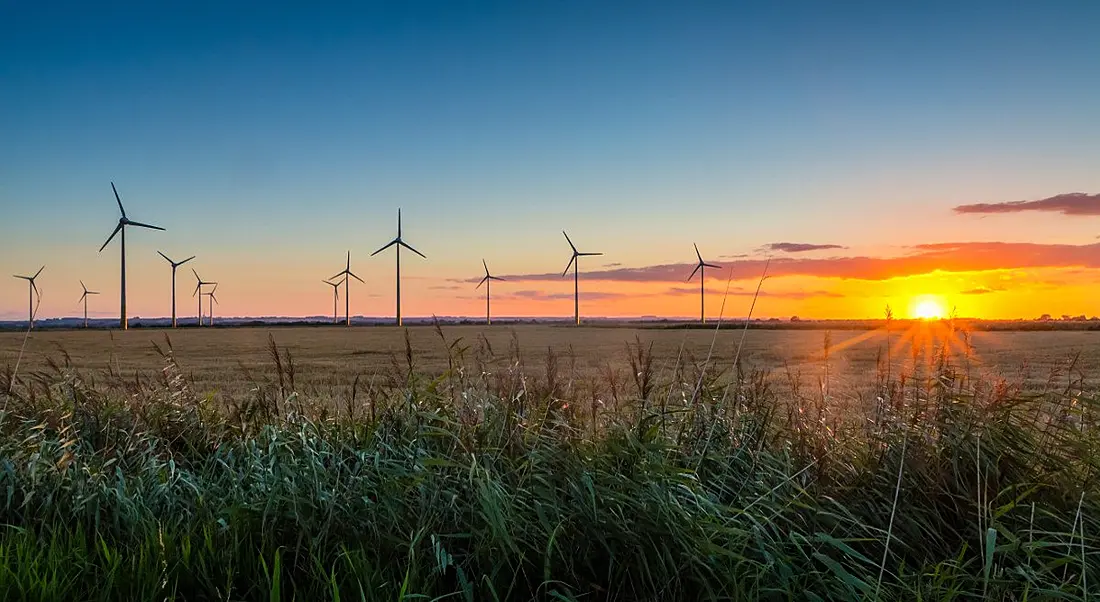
x: 269, y: 139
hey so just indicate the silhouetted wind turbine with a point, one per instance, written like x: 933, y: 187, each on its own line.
x: 121, y: 227
x: 486, y: 280
x: 32, y: 290
x: 575, y: 264
x: 198, y: 291
x: 212, y: 301
x: 398, y: 243
x: 174, y: 264
x: 84, y: 300
x: 335, y: 297
x: 701, y: 267
x: 347, y: 288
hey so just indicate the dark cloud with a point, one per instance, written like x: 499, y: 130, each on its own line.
x: 1073, y: 203
x: 799, y: 247
x: 981, y: 290
x: 950, y: 257
x: 612, y: 265
x: 532, y: 295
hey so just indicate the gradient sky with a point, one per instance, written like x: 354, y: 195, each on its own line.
x: 271, y: 139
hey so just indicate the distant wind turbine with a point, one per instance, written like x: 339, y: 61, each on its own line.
x: 335, y: 297
x: 32, y: 290
x: 486, y: 280
x: 198, y: 291
x: 575, y: 264
x: 212, y: 301
x: 121, y: 227
x: 84, y: 300
x: 174, y: 264
x: 701, y: 267
x: 347, y: 288
x: 398, y: 243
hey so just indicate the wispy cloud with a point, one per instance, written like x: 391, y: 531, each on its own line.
x: 981, y: 290
x: 1073, y: 203
x: 949, y: 257
x: 799, y: 247
x: 744, y: 292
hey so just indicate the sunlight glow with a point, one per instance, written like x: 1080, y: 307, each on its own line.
x: 928, y: 307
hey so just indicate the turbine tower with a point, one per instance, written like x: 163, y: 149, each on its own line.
x: 486, y: 280
x: 398, y: 243
x: 575, y: 264
x: 335, y: 297
x: 198, y: 291
x: 32, y: 290
x: 347, y: 288
x: 701, y: 267
x: 174, y: 264
x: 84, y: 300
x: 121, y: 227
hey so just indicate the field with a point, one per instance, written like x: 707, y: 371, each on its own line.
x: 549, y: 463
x: 228, y: 360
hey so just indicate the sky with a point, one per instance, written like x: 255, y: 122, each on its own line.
x: 876, y: 153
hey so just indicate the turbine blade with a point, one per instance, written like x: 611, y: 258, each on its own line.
x: 482, y: 282
x: 495, y: 278
x: 589, y: 254
x: 198, y: 287
x: 185, y: 261
x: 112, y: 237
x: 82, y: 286
x: 569, y: 241
x: 38, y: 272
x: 340, y: 274
x: 388, y: 245
x: 398, y: 223
x: 196, y: 275
x: 571, y: 260
x: 711, y: 265
x: 118, y: 199
x: 141, y: 225
x: 166, y: 258
x: 486, y: 267
x: 403, y: 244
x: 356, y: 277
x: 82, y: 297
x: 697, y: 254
x: 698, y: 267
x: 348, y: 268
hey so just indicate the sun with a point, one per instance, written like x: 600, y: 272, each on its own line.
x: 928, y: 307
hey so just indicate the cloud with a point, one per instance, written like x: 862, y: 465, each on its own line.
x: 981, y: 290
x: 613, y: 265
x: 1073, y: 203
x: 532, y: 295
x: 798, y: 247
x: 743, y: 255
x: 744, y: 292
x: 926, y: 258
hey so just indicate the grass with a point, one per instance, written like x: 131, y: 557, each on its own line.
x: 497, y: 478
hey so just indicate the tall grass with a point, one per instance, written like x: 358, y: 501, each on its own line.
x: 496, y: 481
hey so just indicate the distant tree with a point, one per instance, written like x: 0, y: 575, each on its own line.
x: 795, y: 319
x: 1066, y: 318
x: 1044, y: 318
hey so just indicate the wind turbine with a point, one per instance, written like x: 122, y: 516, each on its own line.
x: 198, y: 291
x: 701, y: 267
x: 486, y: 280
x: 347, y: 288
x: 398, y: 243
x: 121, y: 227
x: 575, y: 264
x: 212, y: 301
x: 174, y: 264
x: 335, y: 297
x: 84, y: 300
x: 32, y: 290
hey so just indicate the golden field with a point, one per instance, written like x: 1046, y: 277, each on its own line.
x: 229, y: 359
